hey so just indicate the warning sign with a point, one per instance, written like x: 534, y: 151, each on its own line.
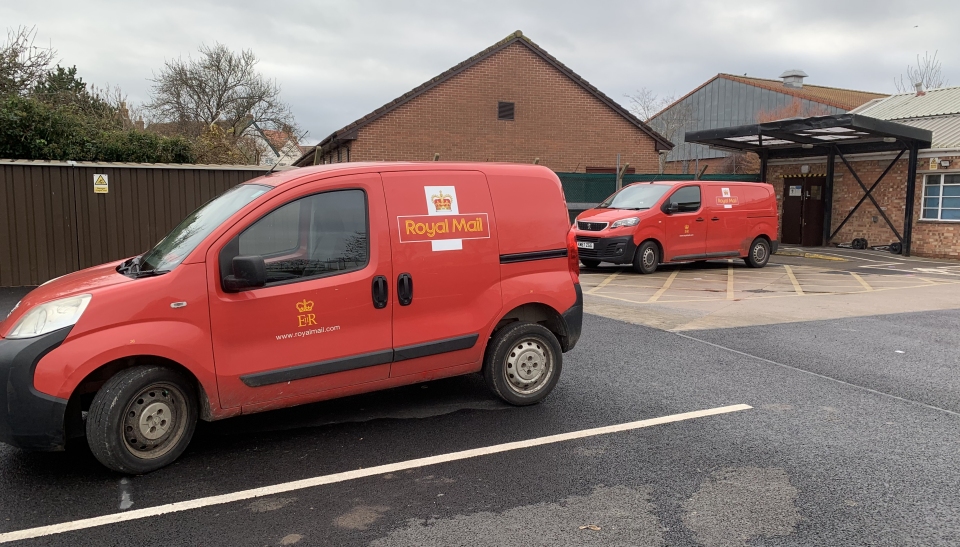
x: 101, y: 184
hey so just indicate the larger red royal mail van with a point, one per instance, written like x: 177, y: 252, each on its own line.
x: 295, y: 287
x: 649, y: 223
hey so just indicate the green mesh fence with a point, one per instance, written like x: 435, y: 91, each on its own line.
x: 592, y: 188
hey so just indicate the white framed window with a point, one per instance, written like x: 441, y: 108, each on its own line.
x: 941, y: 197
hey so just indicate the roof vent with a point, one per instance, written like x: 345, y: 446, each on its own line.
x: 793, y: 78
x: 920, y: 91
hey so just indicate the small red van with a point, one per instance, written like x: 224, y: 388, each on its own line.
x: 295, y: 287
x: 650, y: 223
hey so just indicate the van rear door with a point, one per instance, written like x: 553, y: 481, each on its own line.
x: 446, y: 264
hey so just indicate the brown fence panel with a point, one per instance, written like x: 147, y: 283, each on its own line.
x: 52, y: 222
x: 143, y: 204
x: 37, y: 225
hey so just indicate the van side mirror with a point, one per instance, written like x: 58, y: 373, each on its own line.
x: 672, y: 207
x: 248, y: 272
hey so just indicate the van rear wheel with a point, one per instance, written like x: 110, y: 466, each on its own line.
x: 522, y: 364
x: 142, y: 419
x: 647, y: 258
x: 759, y: 253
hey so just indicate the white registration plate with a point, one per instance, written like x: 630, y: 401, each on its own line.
x: 585, y: 244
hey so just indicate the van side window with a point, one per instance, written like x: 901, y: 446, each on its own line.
x: 313, y: 236
x: 687, y: 199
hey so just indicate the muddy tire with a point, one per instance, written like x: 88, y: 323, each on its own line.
x: 522, y: 364
x: 142, y: 419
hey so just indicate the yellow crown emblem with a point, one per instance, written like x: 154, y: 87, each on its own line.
x: 305, y: 306
x: 442, y: 202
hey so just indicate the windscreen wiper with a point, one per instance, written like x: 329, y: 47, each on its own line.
x: 149, y: 273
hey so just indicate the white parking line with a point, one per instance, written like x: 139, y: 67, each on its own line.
x: 352, y: 475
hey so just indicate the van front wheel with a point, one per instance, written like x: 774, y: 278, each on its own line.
x: 522, y: 364
x: 142, y: 419
x: 647, y: 258
x: 759, y: 253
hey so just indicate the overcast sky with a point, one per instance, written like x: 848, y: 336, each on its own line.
x: 337, y: 61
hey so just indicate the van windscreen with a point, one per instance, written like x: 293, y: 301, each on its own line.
x: 173, y: 248
x: 636, y: 196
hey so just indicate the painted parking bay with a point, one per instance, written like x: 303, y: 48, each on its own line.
x: 728, y: 294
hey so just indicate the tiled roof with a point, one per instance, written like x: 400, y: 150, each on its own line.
x: 847, y: 99
x: 348, y: 132
x: 944, y: 101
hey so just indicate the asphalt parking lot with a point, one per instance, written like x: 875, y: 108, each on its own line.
x: 850, y: 437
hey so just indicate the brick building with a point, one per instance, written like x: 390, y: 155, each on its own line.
x: 845, y: 213
x: 512, y: 102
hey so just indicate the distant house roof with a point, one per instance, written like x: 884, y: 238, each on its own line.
x: 937, y: 110
x: 846, y: 99
x: 349, y: 131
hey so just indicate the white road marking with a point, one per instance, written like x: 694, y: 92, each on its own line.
x: 352, y: 475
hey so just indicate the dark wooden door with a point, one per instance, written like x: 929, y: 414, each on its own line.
x: 803, y: 211
x: 812, y: 231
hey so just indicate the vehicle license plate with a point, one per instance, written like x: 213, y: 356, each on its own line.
x: 585, y: 244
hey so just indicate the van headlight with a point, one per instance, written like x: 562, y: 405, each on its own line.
x: 50, y: 316
x: 632, y: 221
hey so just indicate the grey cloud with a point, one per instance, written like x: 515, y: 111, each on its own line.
x: 337, y: 61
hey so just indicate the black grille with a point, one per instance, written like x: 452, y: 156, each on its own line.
x: 504, y: 111
x: 603, y: 248
x: 591, y: 226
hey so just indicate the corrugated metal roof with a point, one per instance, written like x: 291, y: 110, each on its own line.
x: 946, y: 129
x: 935, y: 102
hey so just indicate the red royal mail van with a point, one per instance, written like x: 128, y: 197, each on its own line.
x: 295, y: 287
x: 649, y: 223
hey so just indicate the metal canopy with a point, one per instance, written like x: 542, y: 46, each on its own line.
x: 830, y: 136
x: 816, y: 136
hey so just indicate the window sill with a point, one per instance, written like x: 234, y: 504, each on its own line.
x: 936, y: 221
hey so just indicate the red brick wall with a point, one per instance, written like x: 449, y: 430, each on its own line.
x: 930, y: 238
x: 555, y: 120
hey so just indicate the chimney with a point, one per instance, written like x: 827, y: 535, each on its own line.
x: 920, y: 91
x: 793, y: 78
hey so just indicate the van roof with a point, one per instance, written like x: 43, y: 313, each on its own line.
x: 281, y: 178
x: 675, y: 182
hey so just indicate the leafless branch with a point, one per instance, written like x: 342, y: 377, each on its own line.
x: 220, y: 87
x: 928, y: 73
x: 22, y: 63
x: 670, y: 122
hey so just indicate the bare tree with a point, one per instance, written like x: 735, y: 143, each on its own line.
x: 927, y: 73
x: 22, y: 63
x: 220, y: 87
x: 664, y: 114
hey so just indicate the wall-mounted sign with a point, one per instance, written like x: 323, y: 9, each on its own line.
x: 934, y: 164
x: 796, y: 191
x: 101, y: 184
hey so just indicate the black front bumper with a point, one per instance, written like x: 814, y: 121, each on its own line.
x: 29, y: 419
x: 618, y: 250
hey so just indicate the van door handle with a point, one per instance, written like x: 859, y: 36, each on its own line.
x: 404, y: 289
x: 380, y: 296
x: 714, y: 218
x: 699, y: 219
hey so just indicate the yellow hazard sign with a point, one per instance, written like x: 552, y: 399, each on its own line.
x: 101, y: 184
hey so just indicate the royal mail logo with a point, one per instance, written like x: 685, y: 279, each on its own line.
x: 442, y: 202
x: 443, y: 228
x: 304, y: 318
x: 725, y: 192
x: 734, y: 200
